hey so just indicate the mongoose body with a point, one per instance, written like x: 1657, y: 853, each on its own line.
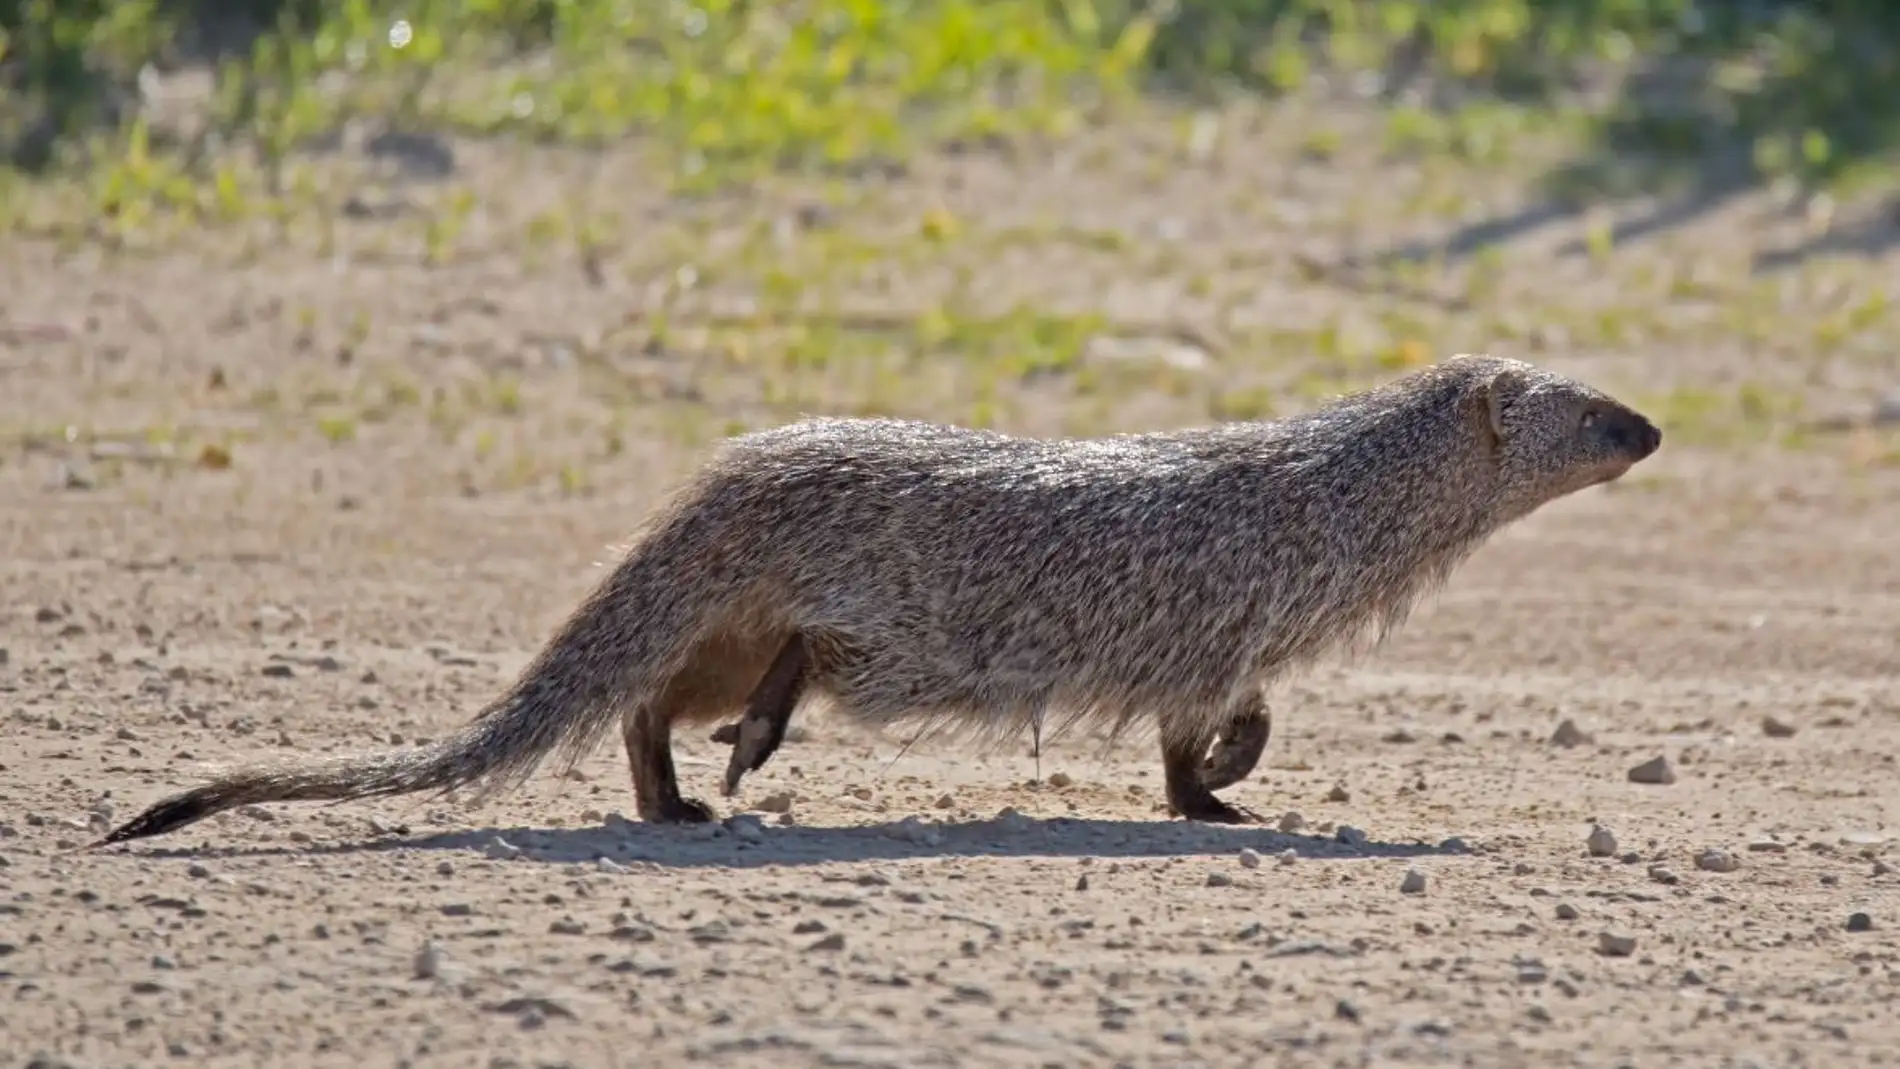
x: 939, y: 577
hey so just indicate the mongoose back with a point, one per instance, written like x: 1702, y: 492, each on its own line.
x: 912, y: 573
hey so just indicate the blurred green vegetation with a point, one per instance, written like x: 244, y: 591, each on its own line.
x: 1807, y: 89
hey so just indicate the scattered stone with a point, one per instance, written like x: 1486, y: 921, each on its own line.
x: 1059, y: 780
x: 567, y: 926
x: 1345, y: 1011
x: 1010, y: 819
x: 777, y: 802
x: 1612, y: 945
x: 834, y: 941
x: 428, y: 961
x: 278, y: 671
x: 1339, y: 793
x: 1859, y: 922
x: 445, y: 867
x: 1289, y: 856
x: 197, y: 871
x: 1664, y: 875
x: 1656, y: 772
x: 1692, y: 978
x: 1566, y: 912
x: 945, y: 801
x: 1350, y: 836
x: 1413, y: 883
x: 1219, y: 879
x: 915, y: 830
x: 1716, y: 861
x: 1767, y: 846
x: 1249, y: 858
x: 1776, y: 729
x: 1568, y: 735
x: 610, y: 866
x: 1602, y: 841
x: 1082, y: 882
x: 1291, y: 821
x: 1881, y: 868
x: 500, y: 849
x: 1532, y: 971
x: 746, y: 827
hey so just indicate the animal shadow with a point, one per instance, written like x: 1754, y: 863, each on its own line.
x: 743, y: 845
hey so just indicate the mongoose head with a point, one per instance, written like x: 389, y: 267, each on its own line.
x: 1551, y: 435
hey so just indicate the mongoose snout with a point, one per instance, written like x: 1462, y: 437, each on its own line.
x: 1631, y: 434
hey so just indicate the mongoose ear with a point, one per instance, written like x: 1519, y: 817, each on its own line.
x: 1492, y: 395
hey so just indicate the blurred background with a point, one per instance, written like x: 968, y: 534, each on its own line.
x: 679, y: 219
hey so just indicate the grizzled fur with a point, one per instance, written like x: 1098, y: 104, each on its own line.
x: 912, y: 573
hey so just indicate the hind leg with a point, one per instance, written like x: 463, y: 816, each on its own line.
x: 757, y: 735
x: 1184, y: 746
x: 1238, y: 749
x: 656, y: 786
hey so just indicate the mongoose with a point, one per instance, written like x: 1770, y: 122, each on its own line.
x: 913, y: 573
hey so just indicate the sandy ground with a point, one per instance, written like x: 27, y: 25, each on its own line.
x: 929, y: 907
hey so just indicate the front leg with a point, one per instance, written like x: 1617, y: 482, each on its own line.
x: 1184, y: 743
x: 648, y: 731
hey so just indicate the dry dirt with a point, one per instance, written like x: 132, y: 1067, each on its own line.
x: 161, y: 614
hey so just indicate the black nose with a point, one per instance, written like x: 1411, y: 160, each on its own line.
x: 1639, y: 436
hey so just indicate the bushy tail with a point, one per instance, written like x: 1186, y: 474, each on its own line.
x: 624, y: 641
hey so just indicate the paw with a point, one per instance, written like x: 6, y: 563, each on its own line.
x: 679, y: 811
x: 1215, y: 811
x: 753, y: 742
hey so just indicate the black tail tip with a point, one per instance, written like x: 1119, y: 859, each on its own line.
x: 166, y: 816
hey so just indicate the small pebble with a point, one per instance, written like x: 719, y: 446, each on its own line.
x: 1289, y: 856
x: 1859, y: 922
x: 1249, y: 858
x: 746, y: 827
x: 1339, y: 793
x: 1566, y: 912
x: 834, y: 941
x: 1219, y: 879
x: 1881, y: 868
x: 500, y: 849
x: 1612, y: 945
x: 776, y: 802
x: 1345, y: 1011
x: 1602, y: 841
x: 1716, y: 861
x: 945, y: 801
x: 1776, y: 729
x: 1082, y: 882
x: 445, y: 868
x: 1291, y: 821
x: 1664, y: 874
x: 1767, y: 846
x: 428, y: 962
x: 1060, y: 780
x: 1568, y: 734
x: 1350, y: 835
x: 1413, y: 883
x: 1656, y: 771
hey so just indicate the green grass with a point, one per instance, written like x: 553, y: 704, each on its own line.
x: 731, y: 89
